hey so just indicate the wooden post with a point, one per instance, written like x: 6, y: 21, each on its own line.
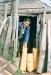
x: 42, y: 46
x: 37, y: 32
x: 14, y: 16
x: 17, y: 33
x: 2, y: 26
x: 5, y: 13
x: 8, y: 39
x: 5, y: 10
x: 15, y: 27
x: 49, y: 46
x: 5, y: 27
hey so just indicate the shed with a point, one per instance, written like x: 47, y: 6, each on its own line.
x: 40, y: 15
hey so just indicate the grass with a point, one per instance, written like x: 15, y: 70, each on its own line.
x: 1, y: 49
x: 10, y: 54
x: 18, y: 72
x: 10, y: 57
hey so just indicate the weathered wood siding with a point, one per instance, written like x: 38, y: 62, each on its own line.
x: 22, y: 1
x: 23, y: 4
x: 42, y: 45
x: 49, y: 46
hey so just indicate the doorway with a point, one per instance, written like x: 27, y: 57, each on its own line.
x: 33, y: 30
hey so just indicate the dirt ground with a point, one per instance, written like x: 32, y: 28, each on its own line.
x: 32, y: 73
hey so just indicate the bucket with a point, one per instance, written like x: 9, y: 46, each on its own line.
x: 23, y: 60
x: 35, y: 58
x: 30, y: 66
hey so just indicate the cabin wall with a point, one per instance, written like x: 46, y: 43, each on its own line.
x: 43, y: 42
x: 47, y: 17
x: 24, y: 1
x: 39, y: 29
x: 24, y: 7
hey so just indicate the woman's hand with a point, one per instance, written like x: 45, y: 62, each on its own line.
x: 25, y: 45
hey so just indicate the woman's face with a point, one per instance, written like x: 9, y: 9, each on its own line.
x: 26, y: 23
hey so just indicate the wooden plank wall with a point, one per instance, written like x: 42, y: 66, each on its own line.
x: 49, y: 46
x: 22, y: 1
x: 8, y: 39
x: 42, y: 45
x: 22, y: 5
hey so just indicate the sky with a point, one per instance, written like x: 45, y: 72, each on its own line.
x: 48, y: 2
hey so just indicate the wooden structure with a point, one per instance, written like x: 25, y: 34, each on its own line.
x: 49, y: 45
x: 6, y: 67
x: 28, y: 8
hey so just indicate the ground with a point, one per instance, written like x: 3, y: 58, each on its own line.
x: 18, y: 72
x: 31, y: 73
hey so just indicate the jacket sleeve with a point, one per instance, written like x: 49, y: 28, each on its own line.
x: 19, y: 27
x: 27, y: 33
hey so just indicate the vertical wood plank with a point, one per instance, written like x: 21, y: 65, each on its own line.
x: 17, y: 33
x: 5, y: 10
x: 8, y: 39
x: 49, y: 46
x: 2, y: 25
x: 5, y: 6
x: 14, y: 15
x: 5, y: 27
x: 15, y: 27
x: 42, y: 47
x: 37, y: 32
